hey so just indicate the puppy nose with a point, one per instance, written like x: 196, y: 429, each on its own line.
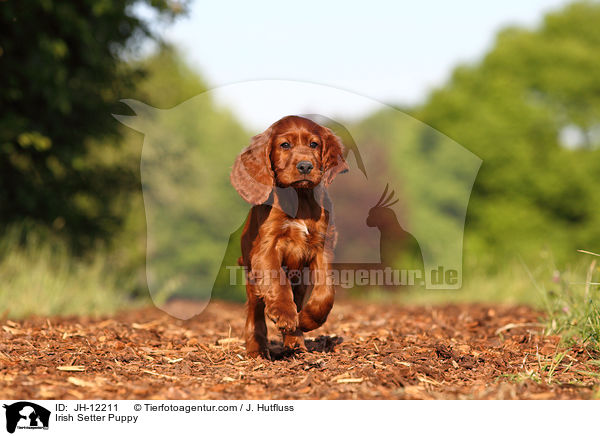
x: 304, y: 167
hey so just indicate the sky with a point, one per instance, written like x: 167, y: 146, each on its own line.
x: 394, y: 52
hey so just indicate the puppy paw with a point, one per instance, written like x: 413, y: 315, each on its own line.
x: 285, y: 320
x: 253, y: 353
x: 294, y: 341
x: 256, y: 348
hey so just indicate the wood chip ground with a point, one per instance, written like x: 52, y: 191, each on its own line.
x: 364, y: 351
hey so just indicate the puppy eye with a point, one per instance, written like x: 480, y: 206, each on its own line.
x: 285, y: 145
x: 313, y: 145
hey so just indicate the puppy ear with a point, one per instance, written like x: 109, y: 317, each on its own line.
x: 332, y: 157
x: 251, y: 175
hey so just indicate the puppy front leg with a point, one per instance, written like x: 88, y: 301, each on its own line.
x: 295, y: 340
x: 276, y: 291
x: 320, y: 302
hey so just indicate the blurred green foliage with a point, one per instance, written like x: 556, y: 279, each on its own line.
x: 62, y: 72
x: 530, y: 109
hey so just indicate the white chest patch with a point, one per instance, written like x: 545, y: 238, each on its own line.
x: 300, y: 225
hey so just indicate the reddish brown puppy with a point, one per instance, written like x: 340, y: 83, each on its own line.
x: 284, y: 173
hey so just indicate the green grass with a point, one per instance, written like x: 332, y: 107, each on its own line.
x: 39, y: 275
x: 510, y: 285
x: 573, y: 305
x: 538, y: 283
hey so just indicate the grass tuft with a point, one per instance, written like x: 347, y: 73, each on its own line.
x: 41, y: 276
x: 573, y: 306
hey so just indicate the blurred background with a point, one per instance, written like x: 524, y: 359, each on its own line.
x: 516, y: 83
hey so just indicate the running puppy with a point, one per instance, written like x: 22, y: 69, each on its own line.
x: 284, y: 173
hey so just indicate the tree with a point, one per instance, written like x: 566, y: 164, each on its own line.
x: 62, y: 74
x: 531, y: 110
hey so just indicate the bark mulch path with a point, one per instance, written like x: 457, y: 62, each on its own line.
x: 364, y: 351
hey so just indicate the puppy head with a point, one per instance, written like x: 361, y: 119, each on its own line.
x: 293, y: 152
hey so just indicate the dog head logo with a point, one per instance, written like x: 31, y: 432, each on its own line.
x: 195, y: 217
x: 26, y: 415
